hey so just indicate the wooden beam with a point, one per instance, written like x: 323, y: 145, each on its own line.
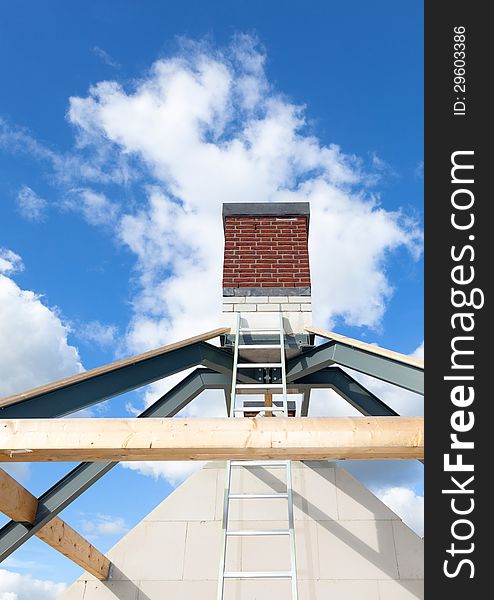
x: 61, y: 383
x: 15, y: 501
x: 211, y: 439
x: 347, y: 341
x: 268, y: 401
x: 21, y: 506
x: 68, y: 542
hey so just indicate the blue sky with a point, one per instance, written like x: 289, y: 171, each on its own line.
x: 318, y: 101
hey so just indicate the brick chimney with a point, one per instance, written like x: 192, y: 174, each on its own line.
x: 266, y: 263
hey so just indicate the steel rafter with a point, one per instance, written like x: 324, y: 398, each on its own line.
x: 78, y: 395
x: 346, y: 386
x: 387, y: 369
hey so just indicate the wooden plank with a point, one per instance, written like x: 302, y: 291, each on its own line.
x: 21, y: 506
x: 68, y: 542
x: 320, y: 438
x: 15, y: 501
x: 55, y: 385
x: 268, y: 401
x: 347, y: 341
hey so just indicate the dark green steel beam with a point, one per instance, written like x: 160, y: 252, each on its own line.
x: 58, y: 497
x: 304, y: 410
x: 381, y: 367
x: 78, y: 395
x: 348, y: 388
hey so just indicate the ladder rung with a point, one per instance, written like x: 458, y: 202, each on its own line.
x: 257, y: 574
x: 258, y: 346
x: 255, y: 496
x: 258, y: 463
x: 258, y: 365
x: 251, y: 386
x: 254, y: 532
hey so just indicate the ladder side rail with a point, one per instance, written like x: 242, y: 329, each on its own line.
x: 235, y: 367
x: 226, y: 500
x: 228, y: 475
x: 291, y: 528
x: 283, y: 364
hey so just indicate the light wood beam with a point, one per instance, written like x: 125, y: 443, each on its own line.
x: 322, y: 438
x: 57, y: 534
x: 21, y: 506
x: 347, y: 341
x: 15, y: 501
x: 268, y: 401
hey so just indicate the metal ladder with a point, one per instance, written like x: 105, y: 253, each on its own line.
x: 234, y: 411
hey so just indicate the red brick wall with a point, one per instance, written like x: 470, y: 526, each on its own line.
x: 266, y: 252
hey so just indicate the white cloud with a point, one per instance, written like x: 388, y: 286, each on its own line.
x: 98, y: 333
x: 31, y: 206
x: 105, y: 57
x: 14, y: 586
x: 102, y: 166
x: 210, y: 128
x: 102, y: 524
x: 406, y: 504
x: 419, y: 352
x: 173, y: 471
x: 33, y: 340
x: 419, y: 170
x: 95, y: 207
x: 10, y: 262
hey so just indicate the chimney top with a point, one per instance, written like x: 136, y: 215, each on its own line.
x: 266, y: 264
x: 266, y: 209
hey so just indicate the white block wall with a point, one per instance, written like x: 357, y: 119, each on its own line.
x: 261, y: 311
x: 350, y: 546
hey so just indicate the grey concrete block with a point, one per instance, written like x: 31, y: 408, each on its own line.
x: 409, y: 552
x: 245, y: 307
x: 110, y: 590
x: 338, y: 590
x: 401, y: 590
x: 315, y: 492
x: 256, y: 299
x: 151, y: 548
x: 202, y: 553
x: 74, y: 592
x: 177, y: 590
x: 290, y: 307
x: 182, y: 504
x: 299, y: 299
x: 356, y: 550
x: 268, y: 307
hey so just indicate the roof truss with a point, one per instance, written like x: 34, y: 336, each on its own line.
x: 309, y: 370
